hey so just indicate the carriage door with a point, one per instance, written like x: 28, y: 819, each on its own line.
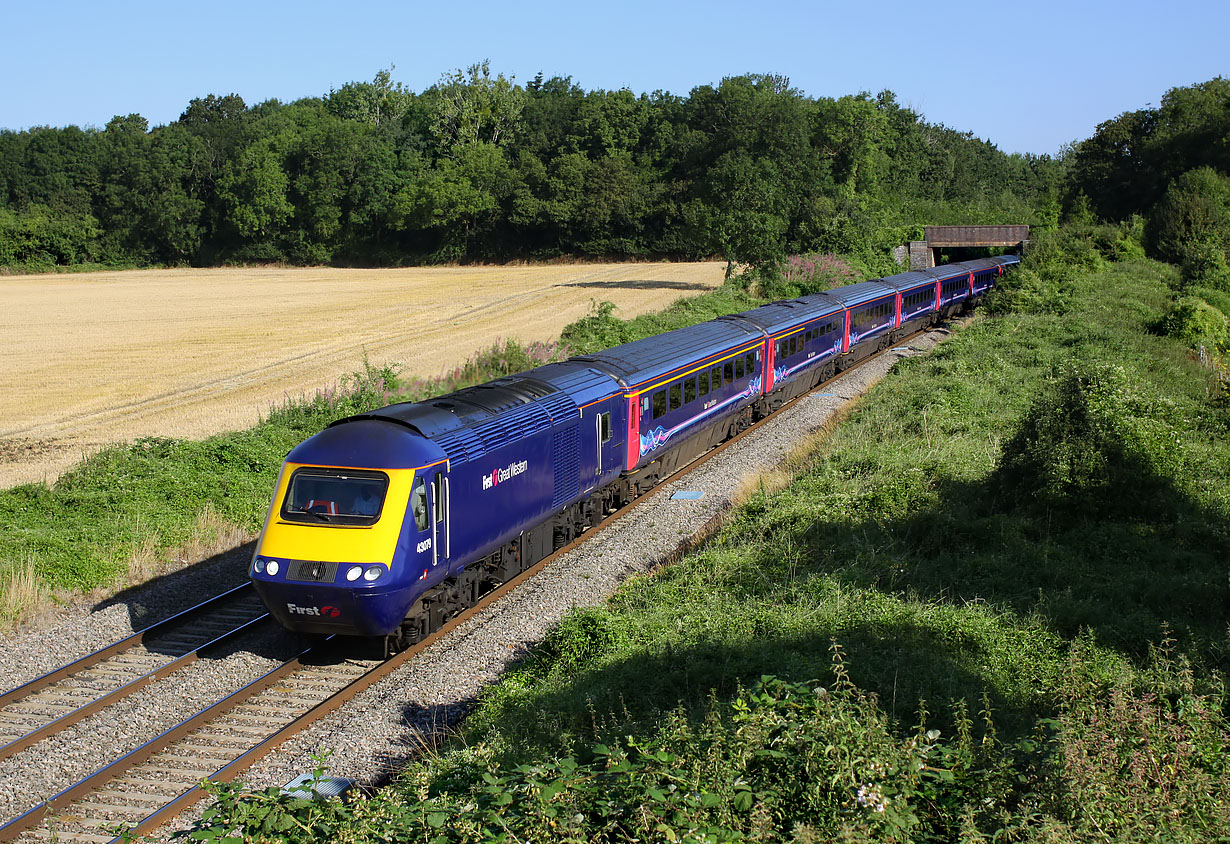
x: 438, y: 509
x: 604, y: 434
x: 634, y: 431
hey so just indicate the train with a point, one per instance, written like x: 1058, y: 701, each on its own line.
x: 387, y: 523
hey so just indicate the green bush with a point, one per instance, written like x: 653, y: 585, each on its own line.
x: 780, y: 761
x: 39, y: 239
x: 1096, y: 441
x: 1204, y: 262
x: 1218, y: 298
x: 799, y: 275
x: 1196, y: 323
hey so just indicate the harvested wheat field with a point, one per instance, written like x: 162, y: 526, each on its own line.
x: 98, y: 358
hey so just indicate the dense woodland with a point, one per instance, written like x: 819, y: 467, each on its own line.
x: 1168, y: 165
x: 478, y: 167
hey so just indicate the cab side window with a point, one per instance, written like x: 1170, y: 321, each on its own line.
x: 418, y: 503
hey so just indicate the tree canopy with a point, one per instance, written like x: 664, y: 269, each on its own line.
x: 479, y: 167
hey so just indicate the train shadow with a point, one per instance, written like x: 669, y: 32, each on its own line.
x: 1131, y: 566
x: 639, y: 284
x: 168, y: 594
x: 632, y: 696
x: 426, y: 729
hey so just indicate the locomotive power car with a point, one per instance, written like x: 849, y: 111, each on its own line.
x: 389, y: 522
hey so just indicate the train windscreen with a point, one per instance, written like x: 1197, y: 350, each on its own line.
x: 325, y: 496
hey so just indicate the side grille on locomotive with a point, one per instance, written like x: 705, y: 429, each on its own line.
x: 311, y: 571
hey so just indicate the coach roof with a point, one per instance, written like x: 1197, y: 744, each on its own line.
x: 791, y: 313
x: 861, y: 293
x: 653, y: 357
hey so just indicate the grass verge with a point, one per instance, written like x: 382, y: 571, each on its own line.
x: 993, y: 606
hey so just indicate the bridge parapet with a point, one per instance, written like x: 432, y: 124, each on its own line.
x: 922, y: 252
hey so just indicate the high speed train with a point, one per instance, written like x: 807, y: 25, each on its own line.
x: 389, y: 522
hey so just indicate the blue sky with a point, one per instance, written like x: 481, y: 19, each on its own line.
x: 1028, y: 76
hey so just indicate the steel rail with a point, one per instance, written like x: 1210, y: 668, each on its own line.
x: 134, y: 757
x: 125, y: 644
x: 69, y: 718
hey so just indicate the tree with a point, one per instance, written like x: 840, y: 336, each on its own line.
x: 472, y: 108
x: 1191, y: 225
x: 377, y: 103
x: 458, y: 200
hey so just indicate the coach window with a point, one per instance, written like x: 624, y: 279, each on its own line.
x: 689, y: 391
x: 704, y: 383
x: 676, y: 395
x: 715, y: 377
x: 659, y: 403
x: 728, y: 372
x: 738, y: 368
x: 749, y: 360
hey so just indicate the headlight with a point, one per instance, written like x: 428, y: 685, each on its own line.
x: 373, y: 572
x: 258, y: 565
x: 352, y: 573
x: 271, y: 568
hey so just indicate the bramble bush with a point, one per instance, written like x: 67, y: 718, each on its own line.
x: 780, y: 761
x: 1196, y: 323
x: 1095, y: 441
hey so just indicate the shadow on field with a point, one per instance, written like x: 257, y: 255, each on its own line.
x: 639, y: 284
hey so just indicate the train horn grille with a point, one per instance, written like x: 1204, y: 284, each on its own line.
x: 311, y: 571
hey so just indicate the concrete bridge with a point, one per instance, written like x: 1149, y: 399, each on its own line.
x: 921, y: 253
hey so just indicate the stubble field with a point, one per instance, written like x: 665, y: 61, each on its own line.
x: 98, y: 358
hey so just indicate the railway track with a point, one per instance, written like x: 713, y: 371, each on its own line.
x: 148, y: 786
x: 71, y: 693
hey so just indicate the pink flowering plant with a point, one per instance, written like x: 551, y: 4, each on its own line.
x: 799, y: 275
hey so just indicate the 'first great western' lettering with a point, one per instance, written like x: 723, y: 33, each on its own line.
x: 498, y: 476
